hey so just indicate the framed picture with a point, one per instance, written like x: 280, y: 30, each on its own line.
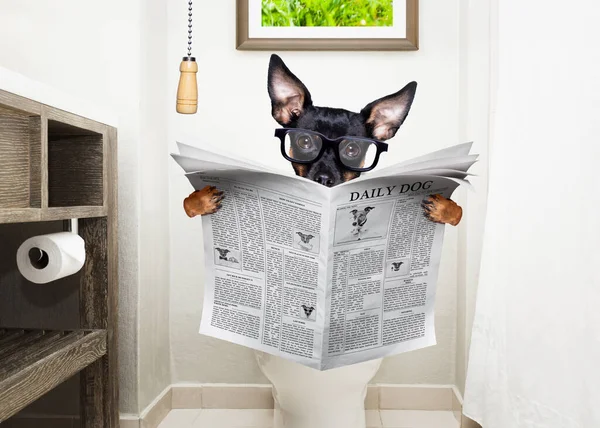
x: 327, y: 25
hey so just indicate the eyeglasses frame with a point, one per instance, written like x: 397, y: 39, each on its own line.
x: 282, y: 132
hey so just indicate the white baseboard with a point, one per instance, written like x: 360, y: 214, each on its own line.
x: 457, y: 404
x: 250, y: 396
x: 156, y: 411
x: 129, y: 421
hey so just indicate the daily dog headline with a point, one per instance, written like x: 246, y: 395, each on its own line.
x: 379, y: 192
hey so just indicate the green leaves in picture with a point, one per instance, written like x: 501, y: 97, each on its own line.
x: 327, y: 13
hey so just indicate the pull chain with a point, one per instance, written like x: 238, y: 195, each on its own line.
x: 190, y: 28
x: 187, y: 90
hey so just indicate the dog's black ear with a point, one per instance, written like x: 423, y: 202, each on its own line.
x: 384, y: 116
x: 353, y: 211
x: 289, y: 96
x: 367, y: 209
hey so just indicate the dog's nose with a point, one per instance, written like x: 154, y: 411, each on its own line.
x: 324, y: 178
x: 354, y: 224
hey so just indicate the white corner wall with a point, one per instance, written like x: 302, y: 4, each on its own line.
x: 234, y: 112
x: 154, y: 370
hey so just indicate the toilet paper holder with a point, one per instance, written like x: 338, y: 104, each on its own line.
x: 71, y: 225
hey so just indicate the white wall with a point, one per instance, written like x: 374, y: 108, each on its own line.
x: 234, y: 111
x: 154, y: 369
x: 115, y: 54
x: 94, y: 52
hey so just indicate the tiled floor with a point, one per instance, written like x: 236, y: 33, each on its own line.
x: 208, y: 418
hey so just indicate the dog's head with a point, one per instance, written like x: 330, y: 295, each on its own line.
x: 360, y: 216
x: 222, y: 251
x: 308, y: 310
x: 396, y: 266
x: 305, y: 238
x: 292, y: 107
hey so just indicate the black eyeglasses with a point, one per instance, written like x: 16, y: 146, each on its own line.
x: 355, y: 153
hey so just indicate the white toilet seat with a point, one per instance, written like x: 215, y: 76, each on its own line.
x: 306, y: 397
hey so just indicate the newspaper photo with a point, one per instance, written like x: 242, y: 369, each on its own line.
x: 325, y: 277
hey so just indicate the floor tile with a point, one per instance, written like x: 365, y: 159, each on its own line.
x: 234, y: 418
x: 181, y: 418
x: 373, y: 419
x: 418, y: 419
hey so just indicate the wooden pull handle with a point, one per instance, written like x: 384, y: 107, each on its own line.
x: 187, y: 91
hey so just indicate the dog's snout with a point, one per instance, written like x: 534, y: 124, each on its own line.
x: 354, y: 224
x: 324, y: 178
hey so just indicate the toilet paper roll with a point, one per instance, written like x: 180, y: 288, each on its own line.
x: 46, y: 258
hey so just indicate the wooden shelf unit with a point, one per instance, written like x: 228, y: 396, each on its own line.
x: 32, y: 362
x: 55, y: 165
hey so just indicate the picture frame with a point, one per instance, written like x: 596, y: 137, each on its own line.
x: 252, y: 35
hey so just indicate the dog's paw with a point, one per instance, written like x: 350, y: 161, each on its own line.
x: 442, y: 210
x: 201, y: 202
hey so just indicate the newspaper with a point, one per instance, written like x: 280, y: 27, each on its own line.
x: 326, y: 277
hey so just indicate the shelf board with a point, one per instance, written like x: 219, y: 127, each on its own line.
x: 32, y: 362
x: 61, y: 213
x: 20, y: 215
x: 28, y: 215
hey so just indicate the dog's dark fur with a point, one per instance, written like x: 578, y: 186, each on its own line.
x: 292, y: 107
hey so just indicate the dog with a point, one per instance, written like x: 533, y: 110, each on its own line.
x: 308, y: 310
x: 396, y: 266
x: 223, y: 255
x: 292, y: 107
x: 360, y: 218
x: 305, y: 241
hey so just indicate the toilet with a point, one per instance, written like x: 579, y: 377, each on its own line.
x: 306, y: 397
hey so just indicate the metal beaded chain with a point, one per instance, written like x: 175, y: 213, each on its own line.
x: 190, y: 28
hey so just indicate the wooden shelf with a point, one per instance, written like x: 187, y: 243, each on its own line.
x: 50, y: 158
x: 32, y: 362
x: 29, y: 215
x: 20, y: 159
x: 75, y: 165
x: 57, y: 165
x: 21, y: 215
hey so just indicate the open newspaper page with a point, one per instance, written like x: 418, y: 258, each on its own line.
x: 266, y: 263
x: 324, y: 277
x: 383, y: 268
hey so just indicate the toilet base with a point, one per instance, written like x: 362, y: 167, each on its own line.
x: 305, y: 397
